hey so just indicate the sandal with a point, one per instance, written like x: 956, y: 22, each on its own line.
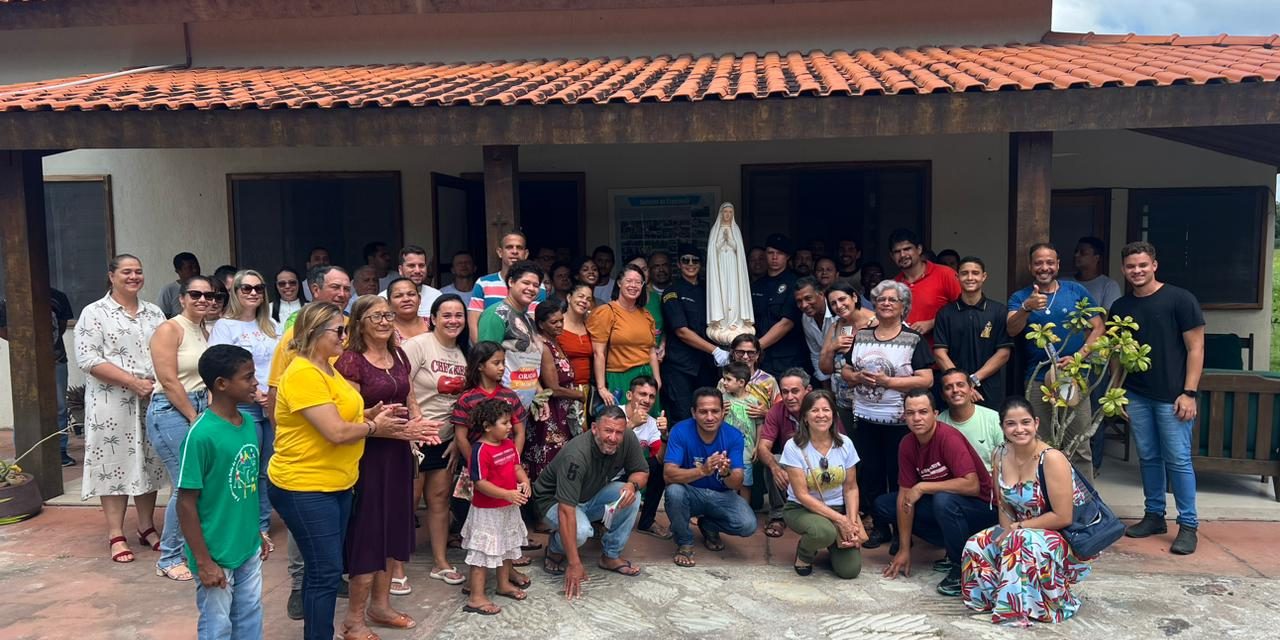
x: 516, y: 595
x: 178, y: 573
x: 553, y: 566
x: 802, y: 569
x: 712, y: 542
x: 520, y: 580
x: 443, y: 575
x: 400, y: 586
x: 684, y: 556
x: 625, y: 568
x: 401, y: 621
x: 530, y: 545
x: 347, y: 634
x: 143, y: 535
x: 657, y: 532
x: 775, y: 528
x: 117, y: 556
x: 522, y: 561
x: 490, y: 609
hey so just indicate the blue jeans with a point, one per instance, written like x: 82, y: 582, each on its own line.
x: 615, y: 537
x: 942, y: 519
x: 60, y: 376
x: 1164, y: 446
x: 167, y: 430
x: 233, y: 611
x: 266, y: 445
x: 717, y: 512
x: 318, y: 521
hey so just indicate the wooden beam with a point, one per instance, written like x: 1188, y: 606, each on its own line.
x: 1030, y: 193
x: 31, y: 365
x: 501, y: 196
x: 651, y: 122
x: 95, y: 13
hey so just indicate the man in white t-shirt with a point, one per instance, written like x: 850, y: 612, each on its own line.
x: 413, y: 265
x: 652, y: 434
x: 978, y: 424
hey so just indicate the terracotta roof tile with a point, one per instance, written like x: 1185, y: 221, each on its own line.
x: 1060, y: 61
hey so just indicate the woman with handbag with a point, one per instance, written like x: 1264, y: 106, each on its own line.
x: 1023, y: 570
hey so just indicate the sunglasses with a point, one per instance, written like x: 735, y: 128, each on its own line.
x: 207, y: 295
x: 341, y: 332
x: 745, y: 354
x: 252, y: 288
x: 385, y: 316
x: 690, y: 260
x: 286, y: 283
x: 825, y: 477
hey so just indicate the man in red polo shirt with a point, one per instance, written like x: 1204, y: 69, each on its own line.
x: 932, y: 286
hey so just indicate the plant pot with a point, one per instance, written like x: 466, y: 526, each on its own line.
x: 21, y: 501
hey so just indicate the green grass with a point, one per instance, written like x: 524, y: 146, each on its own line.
x: 1275, y: 310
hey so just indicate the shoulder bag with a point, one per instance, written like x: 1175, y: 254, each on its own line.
x: 1094, y: 526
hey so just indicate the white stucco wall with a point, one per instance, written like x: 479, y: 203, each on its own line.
x: 167, y: 201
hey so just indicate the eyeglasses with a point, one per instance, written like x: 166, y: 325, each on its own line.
x: 252, y: 288
x: 746, y: 354
x: 286, y: 283
x: 826, y: 471
x: 341, y: 332
x: 690, y: 260
x: 884, y: 299
x: 385, y: 316
x: 207, y: 295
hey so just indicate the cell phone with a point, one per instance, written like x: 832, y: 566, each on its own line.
x: 846, y: 330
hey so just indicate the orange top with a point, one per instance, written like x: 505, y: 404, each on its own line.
x: 629, y: 334
x: 577, y: 348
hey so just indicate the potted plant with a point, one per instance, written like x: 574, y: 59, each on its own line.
x: 1110, y: 359
x: 20, y: 497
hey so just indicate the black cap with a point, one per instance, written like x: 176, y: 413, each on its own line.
x: 686, y: 249
x: 780, y: 242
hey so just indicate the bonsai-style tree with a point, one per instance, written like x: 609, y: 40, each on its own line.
x: 1109, y: 360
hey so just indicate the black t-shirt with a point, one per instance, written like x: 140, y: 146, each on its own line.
x: 684, y: 306
x: 1162, y: 318
x: 971, y: 335
x: 773, y: 299
x: 60, y: 306
x: 580, y: 470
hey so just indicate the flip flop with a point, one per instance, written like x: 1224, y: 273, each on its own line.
x: 712, y: 542
x: 484, y: 610
x: 520, y: 584
x: 686, y: 552
x: 443, y: 576
x: 557, y: 569
x: 346, y: 635
x: 400, y: 586
x: 401, y: 621
x: 517, y: 595
x: 530, y: 545
x: 522, y: 561
x: 622, y: 569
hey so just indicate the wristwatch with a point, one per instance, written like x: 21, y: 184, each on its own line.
x: 975, y: 380
x: 1190, y: 393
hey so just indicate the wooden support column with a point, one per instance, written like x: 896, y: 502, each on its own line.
x: 31, y: 366
x: 501, y: 196
x: 1030, y: 193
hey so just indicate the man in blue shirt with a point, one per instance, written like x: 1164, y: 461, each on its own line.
x: 703, y: 470
x: 1051, y: 300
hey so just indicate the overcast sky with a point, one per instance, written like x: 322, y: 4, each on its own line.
x: 1186, y: 17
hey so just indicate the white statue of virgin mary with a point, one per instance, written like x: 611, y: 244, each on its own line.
x: 728, y: 283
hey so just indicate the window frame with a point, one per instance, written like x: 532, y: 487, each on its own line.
x: 1261, y: 212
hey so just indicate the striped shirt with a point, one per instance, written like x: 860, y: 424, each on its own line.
x: 491, y: 290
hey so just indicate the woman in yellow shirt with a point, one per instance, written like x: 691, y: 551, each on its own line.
x: 623, y: 339
x: 321, y: 426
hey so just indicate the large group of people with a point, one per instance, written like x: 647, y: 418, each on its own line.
x: 557, y: 397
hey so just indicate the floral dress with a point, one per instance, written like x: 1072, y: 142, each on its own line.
x: 118, y: 458
x: 546, y: 437
x: 1027, y: 577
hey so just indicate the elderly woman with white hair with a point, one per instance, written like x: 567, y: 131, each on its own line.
x: 882, y: 364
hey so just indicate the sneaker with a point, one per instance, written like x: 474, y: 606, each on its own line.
x: 943, y: 566
x: 68, y: 461
x: 1150, y: 525
x: 878, y: 536
x: 295, y: 604
x: 1185, y: 543
x: 950, y: 585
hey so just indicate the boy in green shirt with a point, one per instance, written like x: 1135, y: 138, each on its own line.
x: 218, y: 500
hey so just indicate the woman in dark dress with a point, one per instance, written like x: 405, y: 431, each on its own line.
x: 381, y: 532
x: 565, y: 406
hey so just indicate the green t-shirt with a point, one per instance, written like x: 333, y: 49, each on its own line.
x: 982, y: 430
x: 654, y: 305
x: 221, y: 460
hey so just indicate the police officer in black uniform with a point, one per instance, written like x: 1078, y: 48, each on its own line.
x: 691, y: 360
x: 777, y: 317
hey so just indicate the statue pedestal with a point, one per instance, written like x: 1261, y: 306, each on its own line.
x: 723, y: 336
